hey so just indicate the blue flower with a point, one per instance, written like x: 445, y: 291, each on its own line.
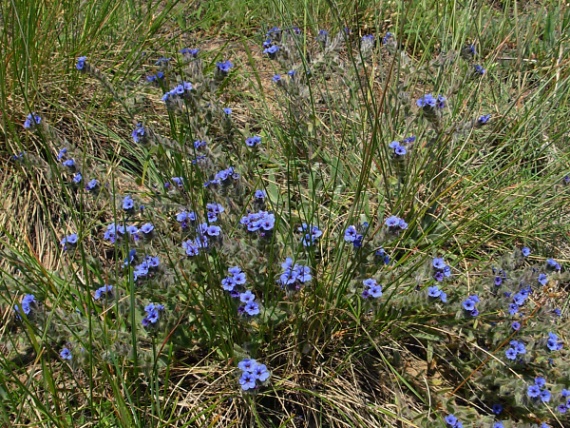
x: 440, y: 103
x: 553, y: 264
x: 65, y: 354
x: 17, y: 157
x: 479, y: 70
x: 562, y: 408
x: 260, y: 371
x: 434, y: 291
x: 261, y: 221
x: 213, y: 230
x: 162, y: 61
x: 32, y: 120
x: 247, y: 381
x: 519, y: 298
x: 438, y: 263
x: 186, y: 216
x: 271, y: 51
x: 247, y: 365
x: 518, y: 346
x: 498, y: 281
x: 235, y: 277
x: 322, y: 36
x: 147, y: 228
x: 511, y: 354
x: 381, y: 254
x: 451, y: 420
x: 426, y: 101
x: 139, y: 133
x: 92, y: 185
x: 81, y: 62
x: 28, y: 303
x: 253, y: 141
x: 61, y: 154
x: 483, y: 120
x: 251, y: 308
x: 132, y: 230
x: 224, y: 67
x: 498, y: 424
x: 525, y: 251
x: 246, y: 297
x: 273, y: 32
x: 193, y: 52
x: 540, y: 381
x: 533, y: 391
x: 398, y: 149
x: 389, y: 36
x: 103, y: 292
x: 69, y: 163
x: 371, y: 289
x: 260, y: 194
x: 128, y: 203
x: 375, y: 291
x: 69, y: 241
x: 545, y: 395
x: 542, y: 279
x: 554, y: 343
x: 294, y: 275
x: 227, y: 111
x: 350, y: 234
x: 395, y: 223
x: 516, y: 325
x: 469, y: 304
x: 310, y: 234
x: 77, y: 178
x: 152, y: 314
x: 497, y: 408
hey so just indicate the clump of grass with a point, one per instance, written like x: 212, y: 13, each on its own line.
x: 335, y: 224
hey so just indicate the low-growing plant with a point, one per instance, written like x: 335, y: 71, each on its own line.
x: 338, y: 224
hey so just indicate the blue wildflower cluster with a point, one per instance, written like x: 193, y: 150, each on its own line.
x: 371, y: 289
x: 32, y: 120
x: 395, y: 224
x: 254, y: 374
x: 538, y: 390
x: 516, y: 349
x: 310, y: 234
x: 152, y: 317
x: 261, y: 222
x: 452, y: 422
x: 440, y: 269
x: 294, y: 275
x: 179, y: 92
x: 436, y: 293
